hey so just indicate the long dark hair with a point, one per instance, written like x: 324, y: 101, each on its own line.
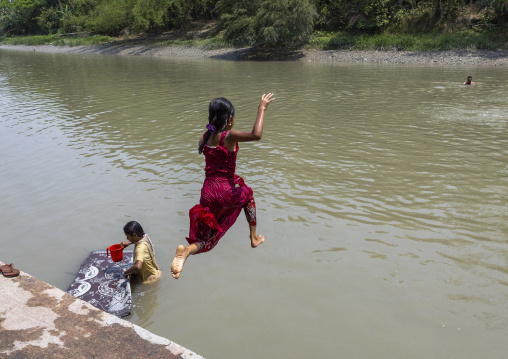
x: 133, y: 227
x: 219, y: 112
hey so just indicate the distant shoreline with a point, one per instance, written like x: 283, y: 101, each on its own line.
x: 457, y: 57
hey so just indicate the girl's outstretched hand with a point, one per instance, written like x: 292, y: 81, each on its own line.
x: 232, y: 136
x: 265, y: 100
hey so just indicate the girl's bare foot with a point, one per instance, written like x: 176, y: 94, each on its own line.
x: 178, y: 262
x: 256, y: 240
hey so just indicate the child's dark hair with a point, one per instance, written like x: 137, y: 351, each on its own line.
x: 219, y: 112
x: 133, y: 227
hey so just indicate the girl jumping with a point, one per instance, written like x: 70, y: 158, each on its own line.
x: 224, y: 194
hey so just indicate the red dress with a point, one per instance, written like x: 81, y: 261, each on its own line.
x: 223, y: 196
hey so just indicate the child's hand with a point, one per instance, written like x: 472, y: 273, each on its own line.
x: 125, y: 244
x: 265, y: 100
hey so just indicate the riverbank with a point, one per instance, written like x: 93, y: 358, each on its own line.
x: 457, y: 57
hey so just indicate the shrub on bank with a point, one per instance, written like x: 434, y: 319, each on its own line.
x: 266, y: 23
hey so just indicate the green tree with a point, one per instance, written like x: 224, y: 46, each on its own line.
x: 110, y: 17
x: 369, y: 15
x: 498, y: 11
x: 19, y: 17
x: 445, y: 9
x: 155, y: 15
x: 266, y: 23
x: 52, y: 16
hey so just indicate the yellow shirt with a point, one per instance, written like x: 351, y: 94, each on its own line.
x: 148, y: 272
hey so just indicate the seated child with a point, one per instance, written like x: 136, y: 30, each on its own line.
x: 145, y: 266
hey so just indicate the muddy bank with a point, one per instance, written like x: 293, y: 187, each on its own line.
x: 461, y: 57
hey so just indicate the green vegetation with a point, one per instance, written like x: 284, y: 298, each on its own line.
x: 409, y: 42
x: 324, y: 24
x: 269, y: 23
x: 56, y: 40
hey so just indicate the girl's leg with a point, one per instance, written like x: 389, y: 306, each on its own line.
x: 255, y: 239
x: 250, y: 213
x: 181, y: 256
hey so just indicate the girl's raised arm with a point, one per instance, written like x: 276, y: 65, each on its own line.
x: 257, y: 131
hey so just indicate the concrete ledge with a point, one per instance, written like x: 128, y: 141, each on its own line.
x: 38, y: 320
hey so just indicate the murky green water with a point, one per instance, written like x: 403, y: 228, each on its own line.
x: 382, y: 191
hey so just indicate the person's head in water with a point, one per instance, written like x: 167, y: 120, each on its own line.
x: 133, y: 231
x: 220, y: 113
x: 469, y: 81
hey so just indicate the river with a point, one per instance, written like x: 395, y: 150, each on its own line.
x: 381, y: 190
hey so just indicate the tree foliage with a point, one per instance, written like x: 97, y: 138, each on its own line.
x: 254, y: 22
x: 19, y: 17
x: 262, y: 22
x: 364, y: 15
x: 498, y: 10
x: 111, y: 17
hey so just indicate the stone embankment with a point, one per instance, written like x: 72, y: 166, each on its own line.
x: 38, y: 320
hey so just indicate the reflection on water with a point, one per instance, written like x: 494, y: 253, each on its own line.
x: 381, y: 189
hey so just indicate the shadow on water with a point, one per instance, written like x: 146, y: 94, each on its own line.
x: 261, y: 54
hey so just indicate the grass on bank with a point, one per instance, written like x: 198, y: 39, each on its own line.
x: 462, y: 40
x: 56, y: 40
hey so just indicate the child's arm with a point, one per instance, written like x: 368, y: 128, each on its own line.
x: 257, y: 131
x: 124, y: 244
x: 134, y: 269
